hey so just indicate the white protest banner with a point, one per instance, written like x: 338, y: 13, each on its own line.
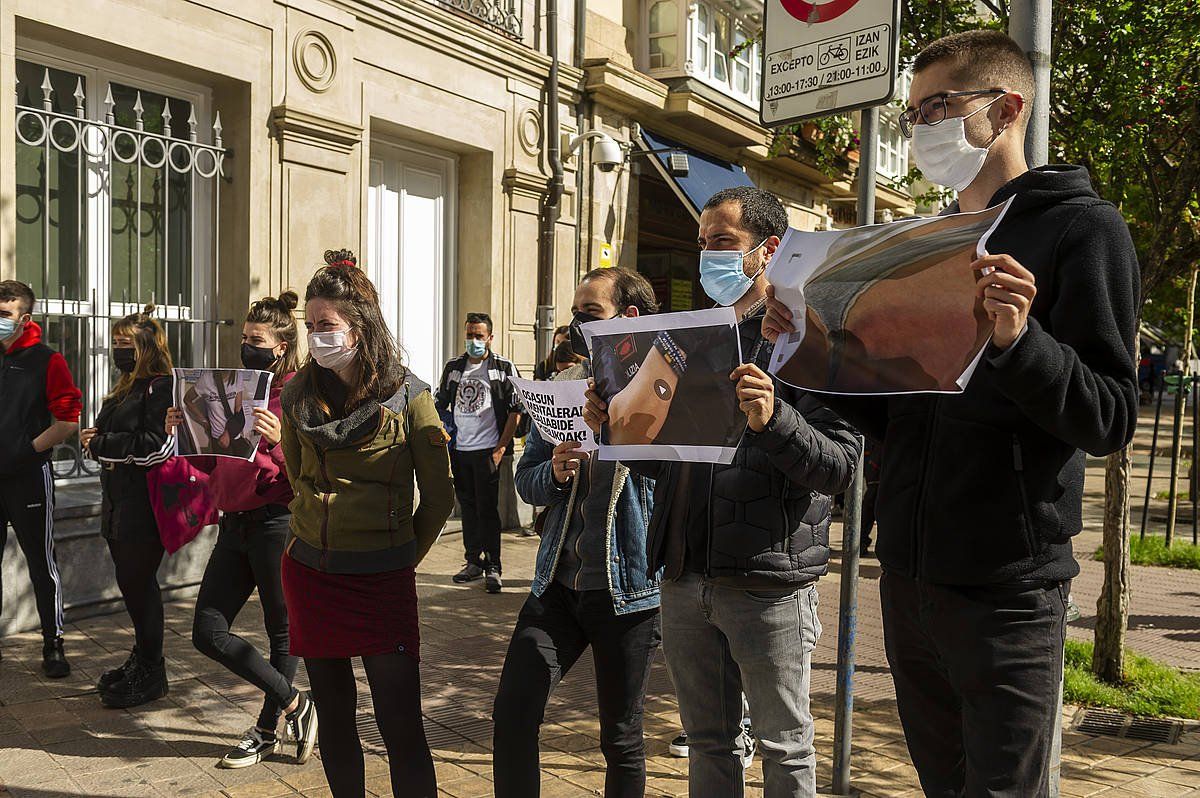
x: 666, y: 380
x: 884, y: 309
x: 218, y: 411
x: 556, y: 409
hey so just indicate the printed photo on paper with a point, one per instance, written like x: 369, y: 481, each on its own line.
x: 218, y: 411
x: 884, y: 309
x: 666, y: 381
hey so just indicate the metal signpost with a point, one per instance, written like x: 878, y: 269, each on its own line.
x: 824, y: 58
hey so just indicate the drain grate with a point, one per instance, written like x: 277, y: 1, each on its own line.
x: 1117, y: 724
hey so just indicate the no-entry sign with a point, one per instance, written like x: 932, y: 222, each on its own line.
x: 827, y: 56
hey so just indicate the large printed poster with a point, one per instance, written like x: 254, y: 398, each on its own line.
x: 884, y: 309
x: 666, y: 381
x: 218, y: 411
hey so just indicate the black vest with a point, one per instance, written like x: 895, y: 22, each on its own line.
x: 24, y: 408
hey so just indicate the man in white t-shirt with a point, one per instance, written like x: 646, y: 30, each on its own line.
x: 481, y: 409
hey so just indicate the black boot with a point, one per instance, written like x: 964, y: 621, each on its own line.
x: 109, y: 678
x: 144, y: 682
x: 54, y: 661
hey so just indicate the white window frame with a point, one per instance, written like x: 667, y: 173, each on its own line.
x: 697, y: 55
x: 383, y: 241
x: 98, y: 73
x: 894, y: 154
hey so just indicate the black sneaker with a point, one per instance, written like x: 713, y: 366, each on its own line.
x: 679, y: 746
x: 302, y: 724
x: 109, y: 678
x: 256, y: 745
x: 494, y: 585
x: 54, y: 661
x: 143, y: 683
x: 469, y: 573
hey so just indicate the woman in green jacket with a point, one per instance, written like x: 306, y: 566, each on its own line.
x: 358, y: 428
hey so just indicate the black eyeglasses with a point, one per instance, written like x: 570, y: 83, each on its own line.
x: 932, y: 110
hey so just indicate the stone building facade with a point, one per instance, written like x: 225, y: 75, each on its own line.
x: 199, y: 154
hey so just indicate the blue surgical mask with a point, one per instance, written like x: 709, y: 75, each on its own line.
x: 722, y: 276
x: 7, y: 328
x: 476, y: 348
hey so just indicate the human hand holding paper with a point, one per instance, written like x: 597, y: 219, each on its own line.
x: 566, y: 461
x: 1007, y: 289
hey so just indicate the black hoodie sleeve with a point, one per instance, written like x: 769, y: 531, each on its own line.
x: 1074, y: 376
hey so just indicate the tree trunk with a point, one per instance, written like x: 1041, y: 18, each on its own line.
x: 1112, y: 608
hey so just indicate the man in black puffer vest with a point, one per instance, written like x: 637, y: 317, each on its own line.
x: 39, y: 410
x: 743, y: 544
x: 980, y: 492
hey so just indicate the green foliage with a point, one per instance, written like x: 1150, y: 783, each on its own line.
x: 1152, y: 550
x: 1125, y: 94
x: 1150, y: 688
x: 1126, y: 104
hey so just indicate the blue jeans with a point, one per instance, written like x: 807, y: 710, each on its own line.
x: 722, y: 641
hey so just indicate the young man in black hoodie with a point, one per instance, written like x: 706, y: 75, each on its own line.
x: 980, y: 493
x: 39, y: 409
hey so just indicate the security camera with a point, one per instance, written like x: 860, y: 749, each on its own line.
x: 607, y: 153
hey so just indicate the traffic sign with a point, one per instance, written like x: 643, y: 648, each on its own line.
x: 827, y: 56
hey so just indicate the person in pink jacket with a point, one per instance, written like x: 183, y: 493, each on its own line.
x: 253, y: 497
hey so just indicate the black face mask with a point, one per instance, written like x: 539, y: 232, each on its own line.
x: 124, y: 358
x: 261, y: 358
x: 578, y: 343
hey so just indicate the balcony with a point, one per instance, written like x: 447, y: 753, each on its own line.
x: 503, y: 16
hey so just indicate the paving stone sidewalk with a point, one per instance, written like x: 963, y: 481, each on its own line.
x: 56, y: 740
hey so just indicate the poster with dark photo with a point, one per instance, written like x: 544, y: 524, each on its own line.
x: 666, y: 381
x: 218, y: 411
x: 884, y: 309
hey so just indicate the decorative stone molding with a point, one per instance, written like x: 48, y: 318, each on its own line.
x: 315, y: 140
x: 520, y: 182
x: 315, y: 60
x: 529, y: 131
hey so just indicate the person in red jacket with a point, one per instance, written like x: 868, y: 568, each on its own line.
x: 39, y: 410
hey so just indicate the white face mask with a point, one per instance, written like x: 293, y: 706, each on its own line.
x: 329, y: 349
x: 944, y: 155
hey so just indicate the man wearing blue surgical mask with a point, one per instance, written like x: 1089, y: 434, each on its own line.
x: 980, y: 492
x: 743, y: 545
x: 39, y: 409
x: 481, y: 410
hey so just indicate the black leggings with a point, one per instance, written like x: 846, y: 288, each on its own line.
x: 136, y: 560
x: 395, y: 681
x: 246, y: 556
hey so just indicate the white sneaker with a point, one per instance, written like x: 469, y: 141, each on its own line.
x: 679, y: 746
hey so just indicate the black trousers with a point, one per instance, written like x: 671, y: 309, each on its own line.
x: 977, y: 672
x: 247, y: 556
x: 477, y: 486
x: 27, y: 502
x: 136, y: 555
x: 551, y: 634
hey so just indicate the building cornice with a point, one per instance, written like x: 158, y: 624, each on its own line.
x: 423, y: 22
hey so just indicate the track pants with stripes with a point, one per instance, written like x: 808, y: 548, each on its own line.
x: 27, y: 504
